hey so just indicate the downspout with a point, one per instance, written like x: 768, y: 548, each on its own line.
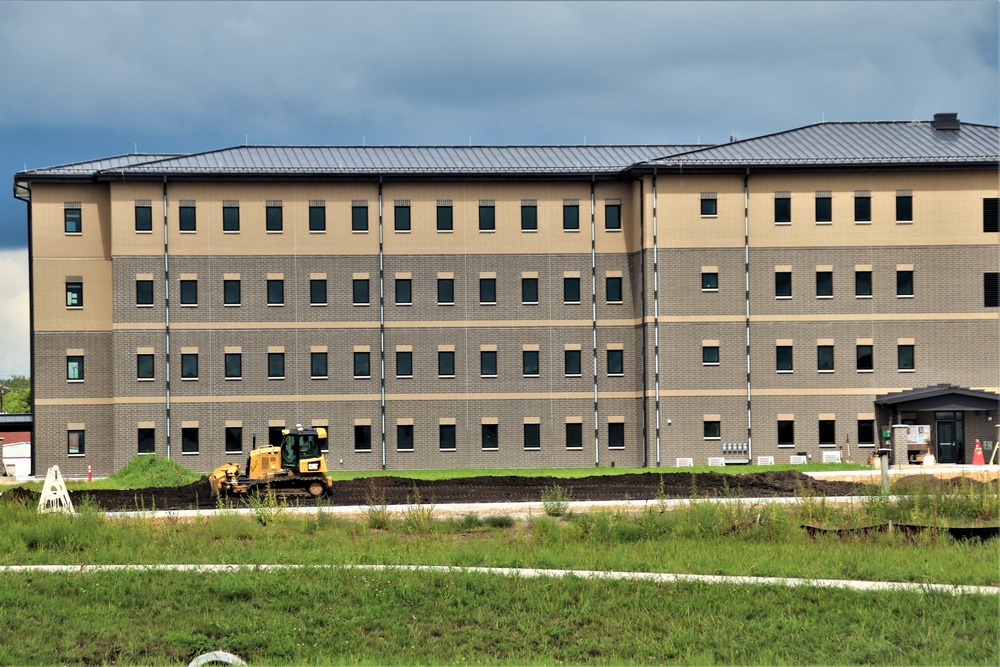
x: 166, y: 306
x: 656, y: 326
x: 381, y: 318
x: 31, y: 323
x: 746, y: 270
x: 642, y: 274
x: 593, y: 310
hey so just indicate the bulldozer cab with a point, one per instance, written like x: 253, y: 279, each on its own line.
x: 299, y: 445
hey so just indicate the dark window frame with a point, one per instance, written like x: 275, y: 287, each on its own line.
x: 529, y: 218
x: 276, y: 291
x: 362, y: 365
x: 614, y: 287
x: 991, y: 215
x: 360, y: 292
x: 573, y: 359
x: 616, y: 362
x: 906, y: 357
x: 232, y: 292
x: 709, y: 207
x: 904, y: 208
x: 362, y: 437
x: 784, y: 358
x: 189, y: 366
x: 404, y: 437
x: 613, y: 217
x: 488, y: 291
x: 863, y: 284
x: 862, y: 208
x: 904, y: 282
x: 401, y: 221
x: 530, y: 363
x: 74, y: 294
x: 824, y: 284
x: 190, y: 440
x: 72, y: 221
x: 404, y: 369
x: 319, y: 365
x: 79, y: 448
x: 445, y: 221
x: 782, y: 284
x: 233, y: 439
x: 143, y: 292
x: 529, y: 286
x: 570, y: 284
x: 865, y: 357
x: 187, y: 219
x: 318, y: 292
x: 574, y: 435
x: 488, y: 363
x: 825, y: 359
x: 78, y: 360
x: 275, y: 365
x: 866, y: 431
x: 710, y: 355
x: 447, y: 437
x: 145, y: 366
x: 782, y: 210
x: 571, y: 217
x: 532, y: 436
x: 145, y: 440
x: 317, y: 218
x: 490, y: 436
x: 786, y: 432
x: 824, y: 209
x: 274, y: 219
x: 189, y: 289
x: 616, y: 435
x: 143, y: 218
x: 487, y: 218
x: 712, y: 429
x: 233, y: 365
x: 446, y: 291
x: 230, y: 218
x: 709, y: 281
x: 991, y: 289
x: 827, y: 431
x: 446, y: 363
x: 403, y: 285
x: 359, y: 218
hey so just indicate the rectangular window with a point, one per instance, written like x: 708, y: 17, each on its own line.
x: 446, y: 437
x: 446, y: 291
x: 359, y: 218
x: 404, y: 437
x: 710, y: 355
x: 75, y: 442
x: 74, y: 367
x: 276, y: 365
x: 709, y: 281
x: 862, y: 208
x: 824, y: 208
x: 613, y: 287
x: 362, y: 364
x: 529, y: 290
x: 824, y: 283
x: 905, y: 357
x: 144, y: 366
x: 865, y: 358
x: 827, y: 432
x: 529, y: 363
x: 782, y: 209
x: 275, y: 292
x: 783, y: 284
x: 231, y: 292
x: 146, y: 440
x: 274, y: 435
x: 712, y: 429
x: 189, y: 366
x: 616, y: 362
x: 529, y: 218
x: 273, y: 219
x: 446, y: 363
x: 234, y: 365
x: 491, y: 436
x: 862, y: 283
x: 616, y: 435
x: 487, y: 218
x: 72, y: 221
x: 824, y: 358
x: 532, y: 436
x: 488, y: 363
x: 317, y: 292
x: 187, y: 219
x: 144, y: 292
x: 991, y: 214
x: 709, y: 205
x: 445, y: 222
x: 866, y: 431
x: 488, y: 290
x: 572, y: 362
x: 234, y: 439
x: 786, y: 432
x: 404, y: 291
x: 74, y: 295
x: 904, y: 283
x: 783, y: 358
x: 571, y: 290
x: 613, y: 217
x: 317, y: 218
x: 189, y: 440
x: 359, y: 292
x: 143, y: 218
x: 574, y: 435
x: 571, y: 217
x: 404, y: 364
x: 401, y: 218
x: 904, y: 208
x: 230, y: 218
x: 362, y: 437
x: 189, y: 292
x: 991, y: 289
x: 318, y: 365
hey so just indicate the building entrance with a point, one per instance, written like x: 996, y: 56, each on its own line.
x: 948, y: 434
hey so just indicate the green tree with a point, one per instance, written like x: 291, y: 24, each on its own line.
x: 16, y: 394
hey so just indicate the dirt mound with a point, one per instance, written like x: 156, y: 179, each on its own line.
x: 933, y: 483
x: 20, y: 494
x: 197, y: 495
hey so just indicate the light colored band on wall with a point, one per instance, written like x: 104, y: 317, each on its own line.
x: 487, y: 274
x: 571, y: 274
x: 782, y: 195
x: 783, y: 267
x: 320, y: 422
x: 76, y: 351
x: 401, y: 202
x: 71, y: 204
x: 234, y: 423
x: 362, y: 348
x: 709, y: 195
x: 404, y: 348
x: 865, y: 341
x: 572, y: 346
x: 235, y: 349
x: 866, y: 415
x: 613, y: 274
x: 711, y: 418
x: 827, y: 415
x: 824, y: 193
x: 529, y: 274
x: 710, y: 343
x: 488, y: 348
x: 487, y: 202
x: 904, y: 193
x: 319, y: 348
x: 362, y: 422
x: 862, y: 267
x: 616, y: 419
x: 144, y: 276
x: 317, y: 276
x: 74, y: 279
x: 446, y: 348
x: 824, y: 267
x: 151, y: 425
x: 404, y: 275
x: 904, y: 267
x: 189, y: 350
x: 824, y: 341
x: 189, y: 424
x: 490, y: 420
x: 529, y: 202
x: 145, y: 350
x: 786, y: 416
x: 76, y: 426
x: 447, y: 420
x: 531, y: 347
x: 230, y: 276
x: 862, y: 193
x: 446, y: 274
x: 360, y: 276
x: 571, y: 202
x: 189, y: 276
x: 404, y: 421
x: 574, y: 420
x: 275, y: 348
x: 317, y: 202
x: 186, y: 202
x: 906, y: 341
x: 273, y: 202
x: 613, y: 202
x: 359, y: 202
x: 784, y: 341
x: 276, y: 422
x: 619, y: 346
x: 276, y: 276
x: 709, y: 269
x: 532, y: 420
x: 444, y: 202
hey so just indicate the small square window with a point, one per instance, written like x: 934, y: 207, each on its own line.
x: 445, y: 222
x: 404, y: 291
x: 189, y: 441
x: 189, y: 292
x: 712, y: 430
x: 574, y: 435
x: 824, y: 283
x: 613, y: 217
x: 866, y: 431
x: 404, y: 437
x: 318, y: 364
x: 709, y: 281
x: 230, y: 218
x: 317, y: 218
x: 234, y: 365
x: 487, y: 218
x: 275, y: 292
x: 529, y: 359
x: 571, y: 217
x: 783, y: 358
x: 613, y: 287
x: 862, y: 208
x: 359, y: 292
x: 231, y: 292
x: 865, y: 358
x: 75, y: 442
x: 491, y: 436
x: 532, y: 436
x: 904, y: 283
x: 401, y: 218
x: 144, y: 292
x: 783, y: 284
x: 446, y: 363
x: 144, y: 366
x: 572, y: 362
x: 404, y: 364
x: 529, y: 218
x: 863, y: 283
x: 616, y: 435
x: 187, y: 219
x: 143, y: 218
x: 74, y: 367
x: 273, y: 219
x: 529, y: 290
x: 362, y: 437
x: 824, y: 209
x: 824, y: 358
x: 709, y: 207
x: 488, y: 363
x: 571, y: 290
x: 74, y: 295
x: 189, y: 366
x: 710, y: 355
x: 904, y: 208
x: 446, y: 437
x: 234, y: 439
x: 616, y: 362
x: 359, y: 218
x: 827, y: 432
x: 782, y: 210
x: 905, y: 357
x: 446, y: 291
x: 488, y: 290
x: 362, y: 364
x: 146, y: 440
x: 317, y: 292
x: 72, y: 221
x: 786, y: 432
x: 276, y: 365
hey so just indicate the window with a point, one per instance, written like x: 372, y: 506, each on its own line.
x: 444, y: 218
x: 362, y: 364
x: 572, y: 362
x: 359, y: 292
x: 72, y: 222
x: 574, y: 435
x: 613, y: 287
x: 362, y: 437
x: 709, y: 281
x: 613, y: 217
x: 189, y: 366
x: 529, y: 362
x: 404, y: 437
x: 401, y: 218
x: 276, y: 365
x: 144, y: 366
x: 446, y: 291
x: 234, y: 439
x: 276, y: 292
x: 824, y: 358
x: 712, y: 429
x: 274, y: 435
x: 616, y: 362
x: 529, y: 290
x: 862, y: 208
x: 359, y: 218
x: 824, y: 208
x: 230, y: 218
x: 488, y: 290
x: 991, y: 214
x: 824, y: 284
x: 529, y: 218
x: 234, y: 365
x: 786, y: 432
x: 864, y: 357
x: 904, y: 208
x: 571, y: 290
x: 487, y: 218
x: 146, y: 440
x: 782, y: 208
x: 616, y: 435
x: 446, y: 363
x: 991, y: 290
x: 317, y: 292
x: 231, y: 292
x: 571, y: 217
x: 404, y: 291
x: 904, y: 282
x: 317, y: 217
x: 74, y: 295
x: 866, y: 431
x: 189, y: 292
x: 187, y: 219
x: 827, y: 432
x: 905, y: 357
x: 318, y: 365
x: 75, y: 442
x: 488, y: 363
x: 273, y: 219
x: 74, y: 367
x: 189, y: 440
x: 404, y: 364
x: 144, y: 292
x: 491, y: 436
x: 143, y: 218
x: 710, y: 355
x: 783, y: 358
x: 532, y: 436
x: 863, y: 283
x: 709, y: 205
x: 446, y: 437
x: 783, y: 284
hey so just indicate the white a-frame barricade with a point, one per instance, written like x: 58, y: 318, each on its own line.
x: 55, y: 497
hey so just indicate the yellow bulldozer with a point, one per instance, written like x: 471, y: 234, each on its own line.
x: 296, y: 467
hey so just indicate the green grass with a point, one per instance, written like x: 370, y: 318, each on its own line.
x: 148, y: 470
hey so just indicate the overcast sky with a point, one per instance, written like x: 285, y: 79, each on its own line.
x: 83, y: 80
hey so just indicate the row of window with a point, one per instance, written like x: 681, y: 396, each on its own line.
x: 863, y: 285
x: 826, y: 431
x: 864, y: 357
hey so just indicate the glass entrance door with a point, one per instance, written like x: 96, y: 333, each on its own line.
x: 947, y: 445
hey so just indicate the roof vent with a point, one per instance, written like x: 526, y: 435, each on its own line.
x: 946, y: 121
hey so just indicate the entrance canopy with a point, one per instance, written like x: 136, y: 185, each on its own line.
x: 940, y: 397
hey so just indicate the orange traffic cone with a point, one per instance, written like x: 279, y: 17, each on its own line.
x: 977, y: 457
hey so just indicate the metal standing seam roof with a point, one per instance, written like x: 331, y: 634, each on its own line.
x: 94, y: 166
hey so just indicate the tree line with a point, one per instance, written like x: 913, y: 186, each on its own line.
x: 16, y: 394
